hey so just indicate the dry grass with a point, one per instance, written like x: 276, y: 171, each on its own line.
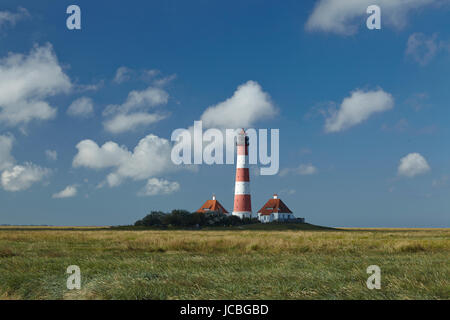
x: 224, y: 264
x: 436, y: 240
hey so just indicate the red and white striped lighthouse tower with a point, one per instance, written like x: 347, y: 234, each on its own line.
x: 242, y: 199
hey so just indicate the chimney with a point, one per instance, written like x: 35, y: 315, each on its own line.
x: 275, y: 196
x: 214, y: 197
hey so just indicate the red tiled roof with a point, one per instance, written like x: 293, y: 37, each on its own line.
x: 212, y: 205
x: 274, y: 206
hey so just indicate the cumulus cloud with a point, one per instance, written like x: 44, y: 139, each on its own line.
x: 358, y: 108
x: 412, y: 165
x: 68, y: 192
x: 150, y: 158
x: 248, y: 105
x: 344, y: 17
x: 6, y: 159
x: 134, y: 111
x: 26, y: 81
x: 82, y: 107
x: 11, y: 18
x: 21, y: 177
x: 90, y: 155
x: 126, y: 122
x: 156, y: 187
x: 14, y: 177
x: 302, y: 169
x: 138, y: 100
x: 51, y: 155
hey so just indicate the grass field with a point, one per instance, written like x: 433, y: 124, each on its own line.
x: 287, y: 262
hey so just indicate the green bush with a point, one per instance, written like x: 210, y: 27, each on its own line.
x: 183, y: 218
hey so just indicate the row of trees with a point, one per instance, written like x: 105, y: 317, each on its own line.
x: 183, y: 218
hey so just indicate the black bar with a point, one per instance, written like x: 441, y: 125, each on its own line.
x: 249, y: 309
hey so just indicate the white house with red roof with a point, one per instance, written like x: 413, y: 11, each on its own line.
x: 275, y: 210
x: 212, y: 206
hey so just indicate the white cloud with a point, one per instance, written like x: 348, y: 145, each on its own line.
x: 90, y: 87
x: 150, y: 158
x: 122, y: 74
x: 248, y: 105
x: 138, y: 100
x: 68, y: 192
x: 133, y: 112
x: 6, y: 159
x: 344, y: 17
x: 21, y: 177
x: 92, y: 156
x: 51, y: 155
x: 150, y: 73
x: 302, y: 169
x: 26, y: 81
x: 412, y: 165
x: 422, y: 48
x: 164, y: 80
x: 15, y: 177
x: 11, y: 18
x: 156, y: 186
x: 82, y: 107
x: 358, y: 108
x: 127, y: 122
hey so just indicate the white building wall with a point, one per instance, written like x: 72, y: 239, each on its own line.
x: 244, y: 214
x: 265, y: 218
x: 275, y: 217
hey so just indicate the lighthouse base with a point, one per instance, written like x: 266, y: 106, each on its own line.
x: 243, y: 214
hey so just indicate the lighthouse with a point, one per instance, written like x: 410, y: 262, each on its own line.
x: 242, y: 200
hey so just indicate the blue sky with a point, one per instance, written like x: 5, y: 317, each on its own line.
x: 317, y: 61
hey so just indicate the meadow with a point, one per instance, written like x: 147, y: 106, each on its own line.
x: 251, y: 262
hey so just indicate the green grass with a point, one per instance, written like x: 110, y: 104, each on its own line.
x: 250, y: 262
